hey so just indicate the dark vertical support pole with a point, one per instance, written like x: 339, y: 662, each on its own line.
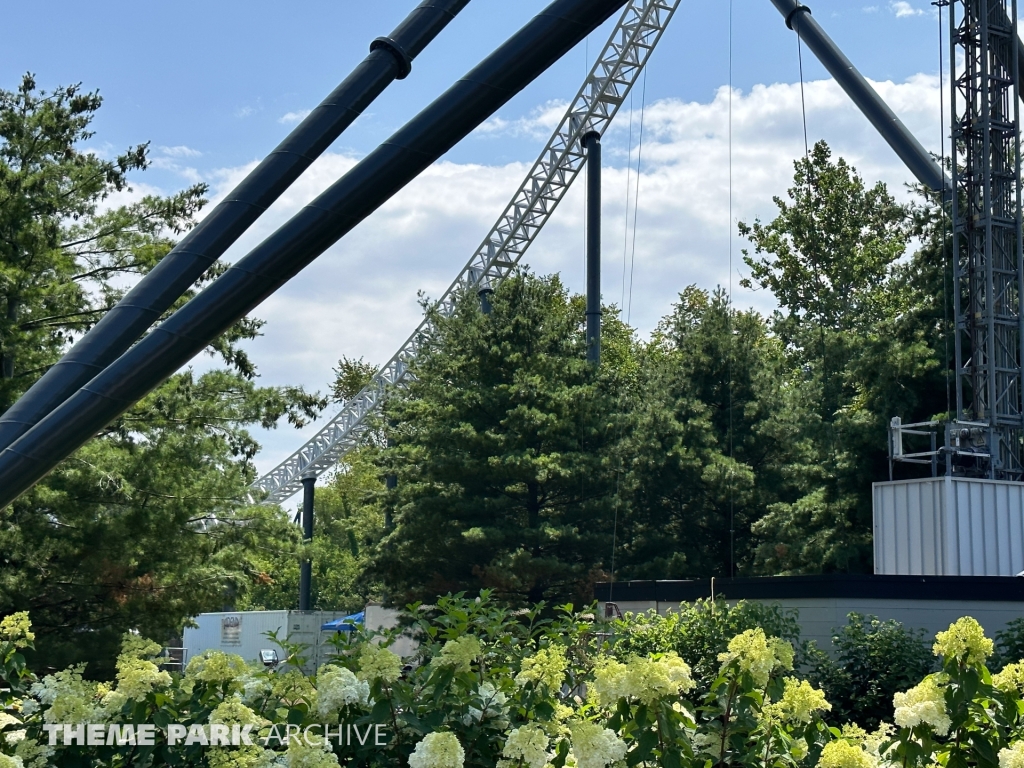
x: 306, y: 568
x: 592, y: 143
x: 390, y: 482
x: 485, y: 300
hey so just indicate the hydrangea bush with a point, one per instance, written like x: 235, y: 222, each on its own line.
x: 531, y: 689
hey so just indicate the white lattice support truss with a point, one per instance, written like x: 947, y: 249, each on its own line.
x: 617, y: 69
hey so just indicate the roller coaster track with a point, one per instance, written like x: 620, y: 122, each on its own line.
x: 616, y: 71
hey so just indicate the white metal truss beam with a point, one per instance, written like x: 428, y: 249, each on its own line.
x: 619, y: 65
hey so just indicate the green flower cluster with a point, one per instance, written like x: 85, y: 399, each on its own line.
x: 595, y: 746
x: 527, y: 746
x: 377, y: 663
x: 460, y: 653
x: 800, y: 703
x: 964, y: 641
x: 644, y: 678
x: 546, y: 667
x: 17, y: 629
x: 1013, y: 756
x: 758, y: 655
x: 842, y: 754
x: 216, y: 667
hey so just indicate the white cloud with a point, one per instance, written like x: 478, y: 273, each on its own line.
x: 360, y: 297
x: 294, y: 117
x: 538, y: 124
x: 187, y: 172
x: 180, y: 151
x: 243, y: 112
x: 902, y: 8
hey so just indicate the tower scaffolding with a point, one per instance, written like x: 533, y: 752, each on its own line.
x: 988, y: 267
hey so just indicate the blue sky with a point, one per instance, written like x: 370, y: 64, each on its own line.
x: 215, y: 85
x: 217, y: 77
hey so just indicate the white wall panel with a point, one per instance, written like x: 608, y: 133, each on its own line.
x: 949, y: 527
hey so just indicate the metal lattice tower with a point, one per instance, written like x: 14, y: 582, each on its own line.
x: 988, y: 269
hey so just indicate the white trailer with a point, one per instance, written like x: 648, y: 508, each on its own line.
x: 245, y: 633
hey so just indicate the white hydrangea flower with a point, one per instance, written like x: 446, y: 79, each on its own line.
x: 337, y: 687
x: 253, y: 756
x: 438, y: 750
x: 924, y: 703
x: 842, y: 754
x: 8, y: 761
x: 758, y: 654
x: 1012, y: 757
x: 136, y: 677
x: 595, y: 746
x: 529, y: 744
x: 69, y: 698
x: 376, y: 663
x: 255, y: 688
x: 460, y: 653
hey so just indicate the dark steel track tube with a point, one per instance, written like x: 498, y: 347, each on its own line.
x: 390, y: 58
x: 592, y: 143
x: 915, y: 157
x: 309, y: 233
x: 306, y: 566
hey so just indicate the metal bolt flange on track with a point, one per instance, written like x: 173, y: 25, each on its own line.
x: 619, y: 65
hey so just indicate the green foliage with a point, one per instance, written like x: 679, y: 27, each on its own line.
x: 61, y: 253
x: 858, y: 329
x: 149, y: 523
x: 1009, y: 644
x: 501, y: 447
x: 871, y: 660
x: 350, y: 376
x: 701, y: 630
x: 706, y: 444
x: 534, y: 687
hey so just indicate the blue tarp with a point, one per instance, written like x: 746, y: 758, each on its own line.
x: 349, y: 623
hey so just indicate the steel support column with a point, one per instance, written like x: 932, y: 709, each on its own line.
x: 306, y: 567
x: 592, y: 143
x: 987, y: 263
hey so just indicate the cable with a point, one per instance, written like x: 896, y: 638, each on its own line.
x: 803, y: 100
x: 729, y: 329
x: 636, y: 196
x: 625, y: 226
x: 632, y: 262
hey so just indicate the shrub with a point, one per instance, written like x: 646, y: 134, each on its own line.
x: 701, y: 630
x: 1009, y: 644
x: 528, y: 690
x: 872, y: 661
